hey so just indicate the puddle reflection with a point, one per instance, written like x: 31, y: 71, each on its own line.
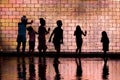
x: 41, y: 68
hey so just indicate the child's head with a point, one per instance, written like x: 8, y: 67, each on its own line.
x: 42, y: 21
x: 29, y: 28
x: 78, y: 27
x: 24, y: 19
x: 104, y: 34
x: 59, y: 23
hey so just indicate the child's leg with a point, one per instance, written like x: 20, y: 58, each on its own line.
x: 76, y: 50
x: 105, y: 51
x: 23, y: 46
x: 45, y: 48
x: 76, y: 59
x: 80, y: 55
x: 32, y: 46
x: 18, y: 46
x: 57, y: 47
x: 79, y: 50
x: 39, y: 48
x: 29, y: 46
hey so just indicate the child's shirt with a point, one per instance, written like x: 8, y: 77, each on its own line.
x: 42, y: 32
x: 21, y: 29
x: 32, y: 35
x: 78, y: 34
x: 58, y: 35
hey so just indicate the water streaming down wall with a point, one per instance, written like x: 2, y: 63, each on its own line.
x: 94, y: 16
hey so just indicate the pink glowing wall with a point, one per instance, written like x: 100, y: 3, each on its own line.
x: 94, y: 16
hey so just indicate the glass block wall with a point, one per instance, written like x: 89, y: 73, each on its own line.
x: 94, y: 16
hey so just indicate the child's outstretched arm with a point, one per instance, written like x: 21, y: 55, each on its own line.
x: 47, y: 31
x: 51, y: 37
x: 30, y: 22
x: 74, y: 33
x: 85, y: 33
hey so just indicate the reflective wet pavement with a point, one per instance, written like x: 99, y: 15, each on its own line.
x: 36, y: 68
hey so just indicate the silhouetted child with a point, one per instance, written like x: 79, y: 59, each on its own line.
x: 56, y: 64
x: 105, y: 42
x: 58, y: 36
x: 42, y: 32
x: 31, y: 33
x: 78, y: 33
x: 21, y: 38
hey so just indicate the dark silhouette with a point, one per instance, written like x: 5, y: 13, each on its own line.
x: 42, y: 32
x: 105, y: 42
x: 31, y: 33
x: 56, y: 67
x: 79, y: 69
x: 42, y: 68
x: 58, y: 36
x: 105, y: 70
x: 21, y: 68
x: 78, y: 33
x: 21, y: 38
x: 31, y: 69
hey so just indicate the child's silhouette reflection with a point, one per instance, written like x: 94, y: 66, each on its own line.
x: 42, y: 68
x: 21, y: 68
x: 31, y: 69
x: 105, y: 71
x: 79, y: 69
x: 56, y: 67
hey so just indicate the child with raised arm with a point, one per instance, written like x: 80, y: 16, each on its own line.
x: 21, y: 37
x: 78, y: 33
x: 41, y: 38
x: 31, y: 33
